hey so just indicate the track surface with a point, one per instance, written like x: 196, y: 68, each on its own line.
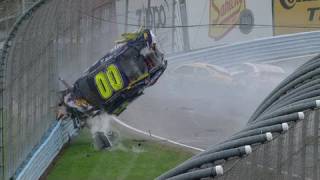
x: 201, y: 116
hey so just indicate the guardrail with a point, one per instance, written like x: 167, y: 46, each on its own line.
x: 43, y: 155
x: 286, y: 108
x: 286, y: 104
x: 259, y: 50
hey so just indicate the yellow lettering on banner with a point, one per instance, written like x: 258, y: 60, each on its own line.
x: 114, y: 77
x: 103, y: 86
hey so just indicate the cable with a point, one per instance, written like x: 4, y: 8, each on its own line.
x: 195, y: 38
x: 204, y: 25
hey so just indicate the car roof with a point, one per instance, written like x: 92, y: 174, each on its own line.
x: 110, y: 57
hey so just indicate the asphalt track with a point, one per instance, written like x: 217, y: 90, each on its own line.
x: 201, y: 115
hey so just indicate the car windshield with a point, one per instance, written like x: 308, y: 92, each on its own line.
x: 132, y: 64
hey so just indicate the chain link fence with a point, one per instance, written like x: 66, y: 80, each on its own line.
x: 9, y: 10
x: 61, y: 38
x: 50, y: 42
x: 55, y: 38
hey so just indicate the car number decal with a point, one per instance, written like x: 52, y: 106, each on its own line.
x: 114, y: 77
x: 109, y: 81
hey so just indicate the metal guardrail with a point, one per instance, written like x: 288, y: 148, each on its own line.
x: 285, y: 105
x: 259, y: 50
x: 298, y: 93
x: 42, y: 45
x: 40, y: 160
x: 281, y: 107
x: 260, y: 131
x: 16, y: 144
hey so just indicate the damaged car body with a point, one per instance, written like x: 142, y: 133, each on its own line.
x: 116, y: 79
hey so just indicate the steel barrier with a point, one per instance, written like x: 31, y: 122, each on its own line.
x: 283, y: 135
x: 46, y: 152
x: 259, y: 50
x: 48, y: 41
x: 43, y: 44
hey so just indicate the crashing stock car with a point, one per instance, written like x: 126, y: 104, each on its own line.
x: 115, y: 80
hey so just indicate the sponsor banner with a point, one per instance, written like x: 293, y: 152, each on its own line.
x: 236, y: 21
x: 226, y: 14
x: 161, y: 16
x: 292, y: 16
x: 164, y: 15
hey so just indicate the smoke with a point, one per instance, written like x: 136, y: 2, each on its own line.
x: 99, y: 123
x: 200, y: 110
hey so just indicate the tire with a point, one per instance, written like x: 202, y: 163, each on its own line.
x: 288, y: 4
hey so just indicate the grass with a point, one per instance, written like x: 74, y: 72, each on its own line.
x: 128, y: 160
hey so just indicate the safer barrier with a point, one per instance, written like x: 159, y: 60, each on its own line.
x: 49, y: 41
x: 54, y: 38
x: 46, y: 42
x: 259, y: 50
x: 46, y: 152
x: 293, y: 155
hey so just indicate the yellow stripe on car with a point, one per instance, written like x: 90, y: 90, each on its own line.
x: 143, y: 76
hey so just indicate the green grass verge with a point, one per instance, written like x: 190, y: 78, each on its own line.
x: 128, y: 160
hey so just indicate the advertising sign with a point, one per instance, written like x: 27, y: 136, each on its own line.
x: 161, y: 16
x: 292, y: 16
x: 223, y: 16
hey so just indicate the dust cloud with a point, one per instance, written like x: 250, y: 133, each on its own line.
x: 99, y: 123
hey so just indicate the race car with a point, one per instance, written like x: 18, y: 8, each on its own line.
x: 116, y: 79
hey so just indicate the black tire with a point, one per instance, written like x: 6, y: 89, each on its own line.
x: 288, y: 4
